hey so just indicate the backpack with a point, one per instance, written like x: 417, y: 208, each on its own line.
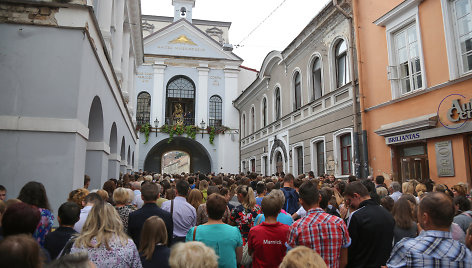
x: 291, y: 200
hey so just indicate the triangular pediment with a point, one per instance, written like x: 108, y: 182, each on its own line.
x: 182, y: 39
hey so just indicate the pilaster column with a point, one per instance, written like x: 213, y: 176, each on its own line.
x: 105, y: 8
x: 158, y: 95
x: 131, y: 89
x: 118, y: 37
x: 230, y: 114
x: 125, y: 62
x: 202, y: 95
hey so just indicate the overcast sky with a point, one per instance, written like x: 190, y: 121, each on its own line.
x: 274, y: 34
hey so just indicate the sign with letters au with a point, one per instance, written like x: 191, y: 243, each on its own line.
x: 444, y: 159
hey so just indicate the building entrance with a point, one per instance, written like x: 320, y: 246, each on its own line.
x: 199, y: 158
x: 412, y: 162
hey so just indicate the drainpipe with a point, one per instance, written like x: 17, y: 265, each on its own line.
x: 357, y: 164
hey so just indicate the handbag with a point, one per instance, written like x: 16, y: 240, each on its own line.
x: 246, y: 259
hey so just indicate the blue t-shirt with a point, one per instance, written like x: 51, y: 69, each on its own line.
x: 282, y: 218
x: 223, y: 238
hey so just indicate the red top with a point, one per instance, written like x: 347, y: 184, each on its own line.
x: 268, y: 242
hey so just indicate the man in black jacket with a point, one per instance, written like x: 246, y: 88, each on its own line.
x: 68, y: 215
x: 370, y: 227
x: 149, y: 194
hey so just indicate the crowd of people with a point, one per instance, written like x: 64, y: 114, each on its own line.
x: 242, y: 220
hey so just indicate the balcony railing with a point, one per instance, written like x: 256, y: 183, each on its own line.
x: 180, y: 121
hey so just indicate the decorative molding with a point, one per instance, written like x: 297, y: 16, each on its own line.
x: 396, y: 12
x: 98, y: 146
x: 43, y: 124
x: 278, y: 144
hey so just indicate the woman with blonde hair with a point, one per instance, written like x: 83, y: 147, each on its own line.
x: 244, y: 215
x: 152, y: 245
x: 195, y: 198
x: 105, y: 241
x: 459, y: 189
x: 203, y: 186
x: 192, y: 254
x: 121, y: 198
x: 302, y: 256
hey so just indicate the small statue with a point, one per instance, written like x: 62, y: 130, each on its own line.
x: 178, y: 114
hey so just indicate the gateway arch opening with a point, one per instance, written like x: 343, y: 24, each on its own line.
x: 175, y: 162
x: 199, y: 158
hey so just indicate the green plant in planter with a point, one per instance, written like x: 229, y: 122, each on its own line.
x: 191, y: 131
x: 146, y: 128
x: 212, y: 132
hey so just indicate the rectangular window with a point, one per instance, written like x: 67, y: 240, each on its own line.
x: 408, y: 59
x: 320, y: 166
x: 264, y: 166
x: 298, y: 91
x: 346, y: 154
x: 253, y: 165
x: 299, y: 152
x: 463, y: 24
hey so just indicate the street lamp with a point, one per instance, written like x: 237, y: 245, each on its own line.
x: 156, y: 125
x: 202, y: 125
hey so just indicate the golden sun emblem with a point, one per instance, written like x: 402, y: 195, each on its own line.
x: 183, y: 40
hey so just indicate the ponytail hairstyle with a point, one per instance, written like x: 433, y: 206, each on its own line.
x: 249, y: 201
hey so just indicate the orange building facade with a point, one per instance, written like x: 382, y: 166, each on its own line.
x: 415, y: 87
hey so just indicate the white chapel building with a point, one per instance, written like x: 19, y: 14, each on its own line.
x: 189, y: 77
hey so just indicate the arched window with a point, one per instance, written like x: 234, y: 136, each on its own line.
x: 317, y: 80
x: 297, y: 91
x: 180, y: 101
x: 342, y: 70
x: 143, y: 109
x: 216, y: 111
x: 253, y: 121
x: 264, y: 112
x: 277, y: 104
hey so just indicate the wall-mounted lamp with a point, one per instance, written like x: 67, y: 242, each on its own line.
x: 156, y: 125
x: 202, y: 125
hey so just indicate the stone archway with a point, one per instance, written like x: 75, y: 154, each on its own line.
x: 199, y: 157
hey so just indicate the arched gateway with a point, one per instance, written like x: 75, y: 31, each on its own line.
x: 199, y: 156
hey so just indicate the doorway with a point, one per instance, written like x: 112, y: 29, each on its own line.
x: 279, y: 165
x: 413, y: 162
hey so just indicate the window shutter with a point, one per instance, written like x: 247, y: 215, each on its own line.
x: 392, y: 72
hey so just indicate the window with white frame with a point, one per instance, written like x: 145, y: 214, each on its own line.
x: 298, y: 159
x: 407, y: 59
x: 253, y: 120
x: 278, y: 108
x: 243, y: 167
x: 243, y: 125
x: 320, y: 157
x: 405, y: 56
x: 341, y: 63
x: 264, y: 112
x: 216, y: 111
x: 297, y: 91
x: 264, y: 166
x: 462, y: 18
x: 253, y: 165
x: 343, y: 152
x: 346, y: 152
x: 317, y: 80
x: 143, y: 109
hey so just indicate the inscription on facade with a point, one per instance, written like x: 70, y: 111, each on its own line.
x: 144, y: 77
x: 444, y: 159
x: 215, y: 80
x: 181, y: 48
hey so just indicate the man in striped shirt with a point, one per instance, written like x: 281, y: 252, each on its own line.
x: 434, y: 247
x: 324, y: 233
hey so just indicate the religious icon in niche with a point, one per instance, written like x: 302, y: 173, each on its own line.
x: 178, y: 114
